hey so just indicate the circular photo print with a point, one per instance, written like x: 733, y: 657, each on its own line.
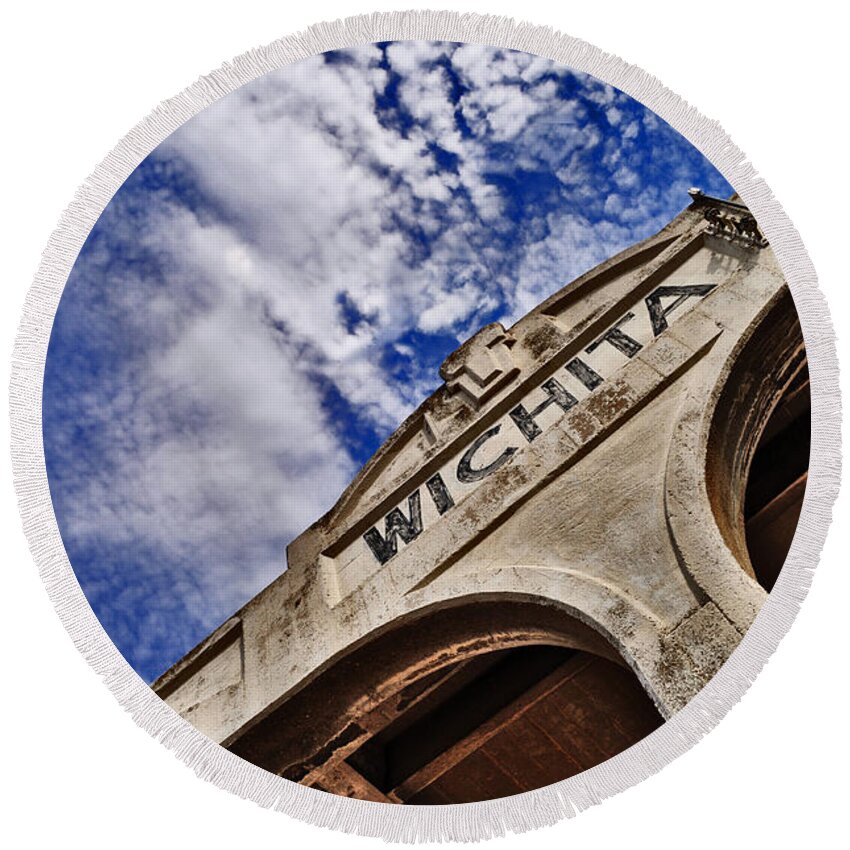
x: 426, y: 422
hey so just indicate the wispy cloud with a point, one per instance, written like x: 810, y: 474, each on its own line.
x: 272, y: 291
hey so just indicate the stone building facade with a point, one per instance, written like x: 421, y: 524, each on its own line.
x: 552, y: 555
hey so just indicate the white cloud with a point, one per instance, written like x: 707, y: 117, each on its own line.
x: 325, y: 235
x: 574, y: 245
x: 625, y: 178
x: 631, y: 130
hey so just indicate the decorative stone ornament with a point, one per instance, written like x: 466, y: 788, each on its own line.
x: 487, y: 472
x: 481, y: 366
x: 733, y: 223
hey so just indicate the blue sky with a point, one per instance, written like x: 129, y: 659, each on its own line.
x: 273, y: 290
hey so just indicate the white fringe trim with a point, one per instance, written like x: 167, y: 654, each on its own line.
x: 470, y: 821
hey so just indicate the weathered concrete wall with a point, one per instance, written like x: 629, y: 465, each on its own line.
x: 564, y: 462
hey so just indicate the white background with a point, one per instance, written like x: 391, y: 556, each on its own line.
x: 77, y: 76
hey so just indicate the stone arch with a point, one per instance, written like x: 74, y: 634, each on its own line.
x: 711, y: 456
x: 418, y: 710
x: 758, y: 443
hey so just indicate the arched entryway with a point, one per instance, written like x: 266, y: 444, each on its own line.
x: 777, y: 480
x: 505, y: 722
x: 758, y: 450
x: 472, y: 701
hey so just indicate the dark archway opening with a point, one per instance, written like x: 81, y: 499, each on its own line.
x: 507, y: 722
x: 469, y: 700
x: 777, y: 480
x: 758, y: 447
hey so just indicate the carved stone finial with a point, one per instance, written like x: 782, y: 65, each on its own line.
x: 740, y: 228
x: 729, y: 219
x: 481, y: 366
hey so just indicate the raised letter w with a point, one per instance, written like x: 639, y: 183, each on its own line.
x: 397, y: 525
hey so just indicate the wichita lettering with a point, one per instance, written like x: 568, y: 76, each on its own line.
x: 405, y: 522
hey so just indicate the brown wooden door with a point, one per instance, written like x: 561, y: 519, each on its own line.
x: 506, y: 723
